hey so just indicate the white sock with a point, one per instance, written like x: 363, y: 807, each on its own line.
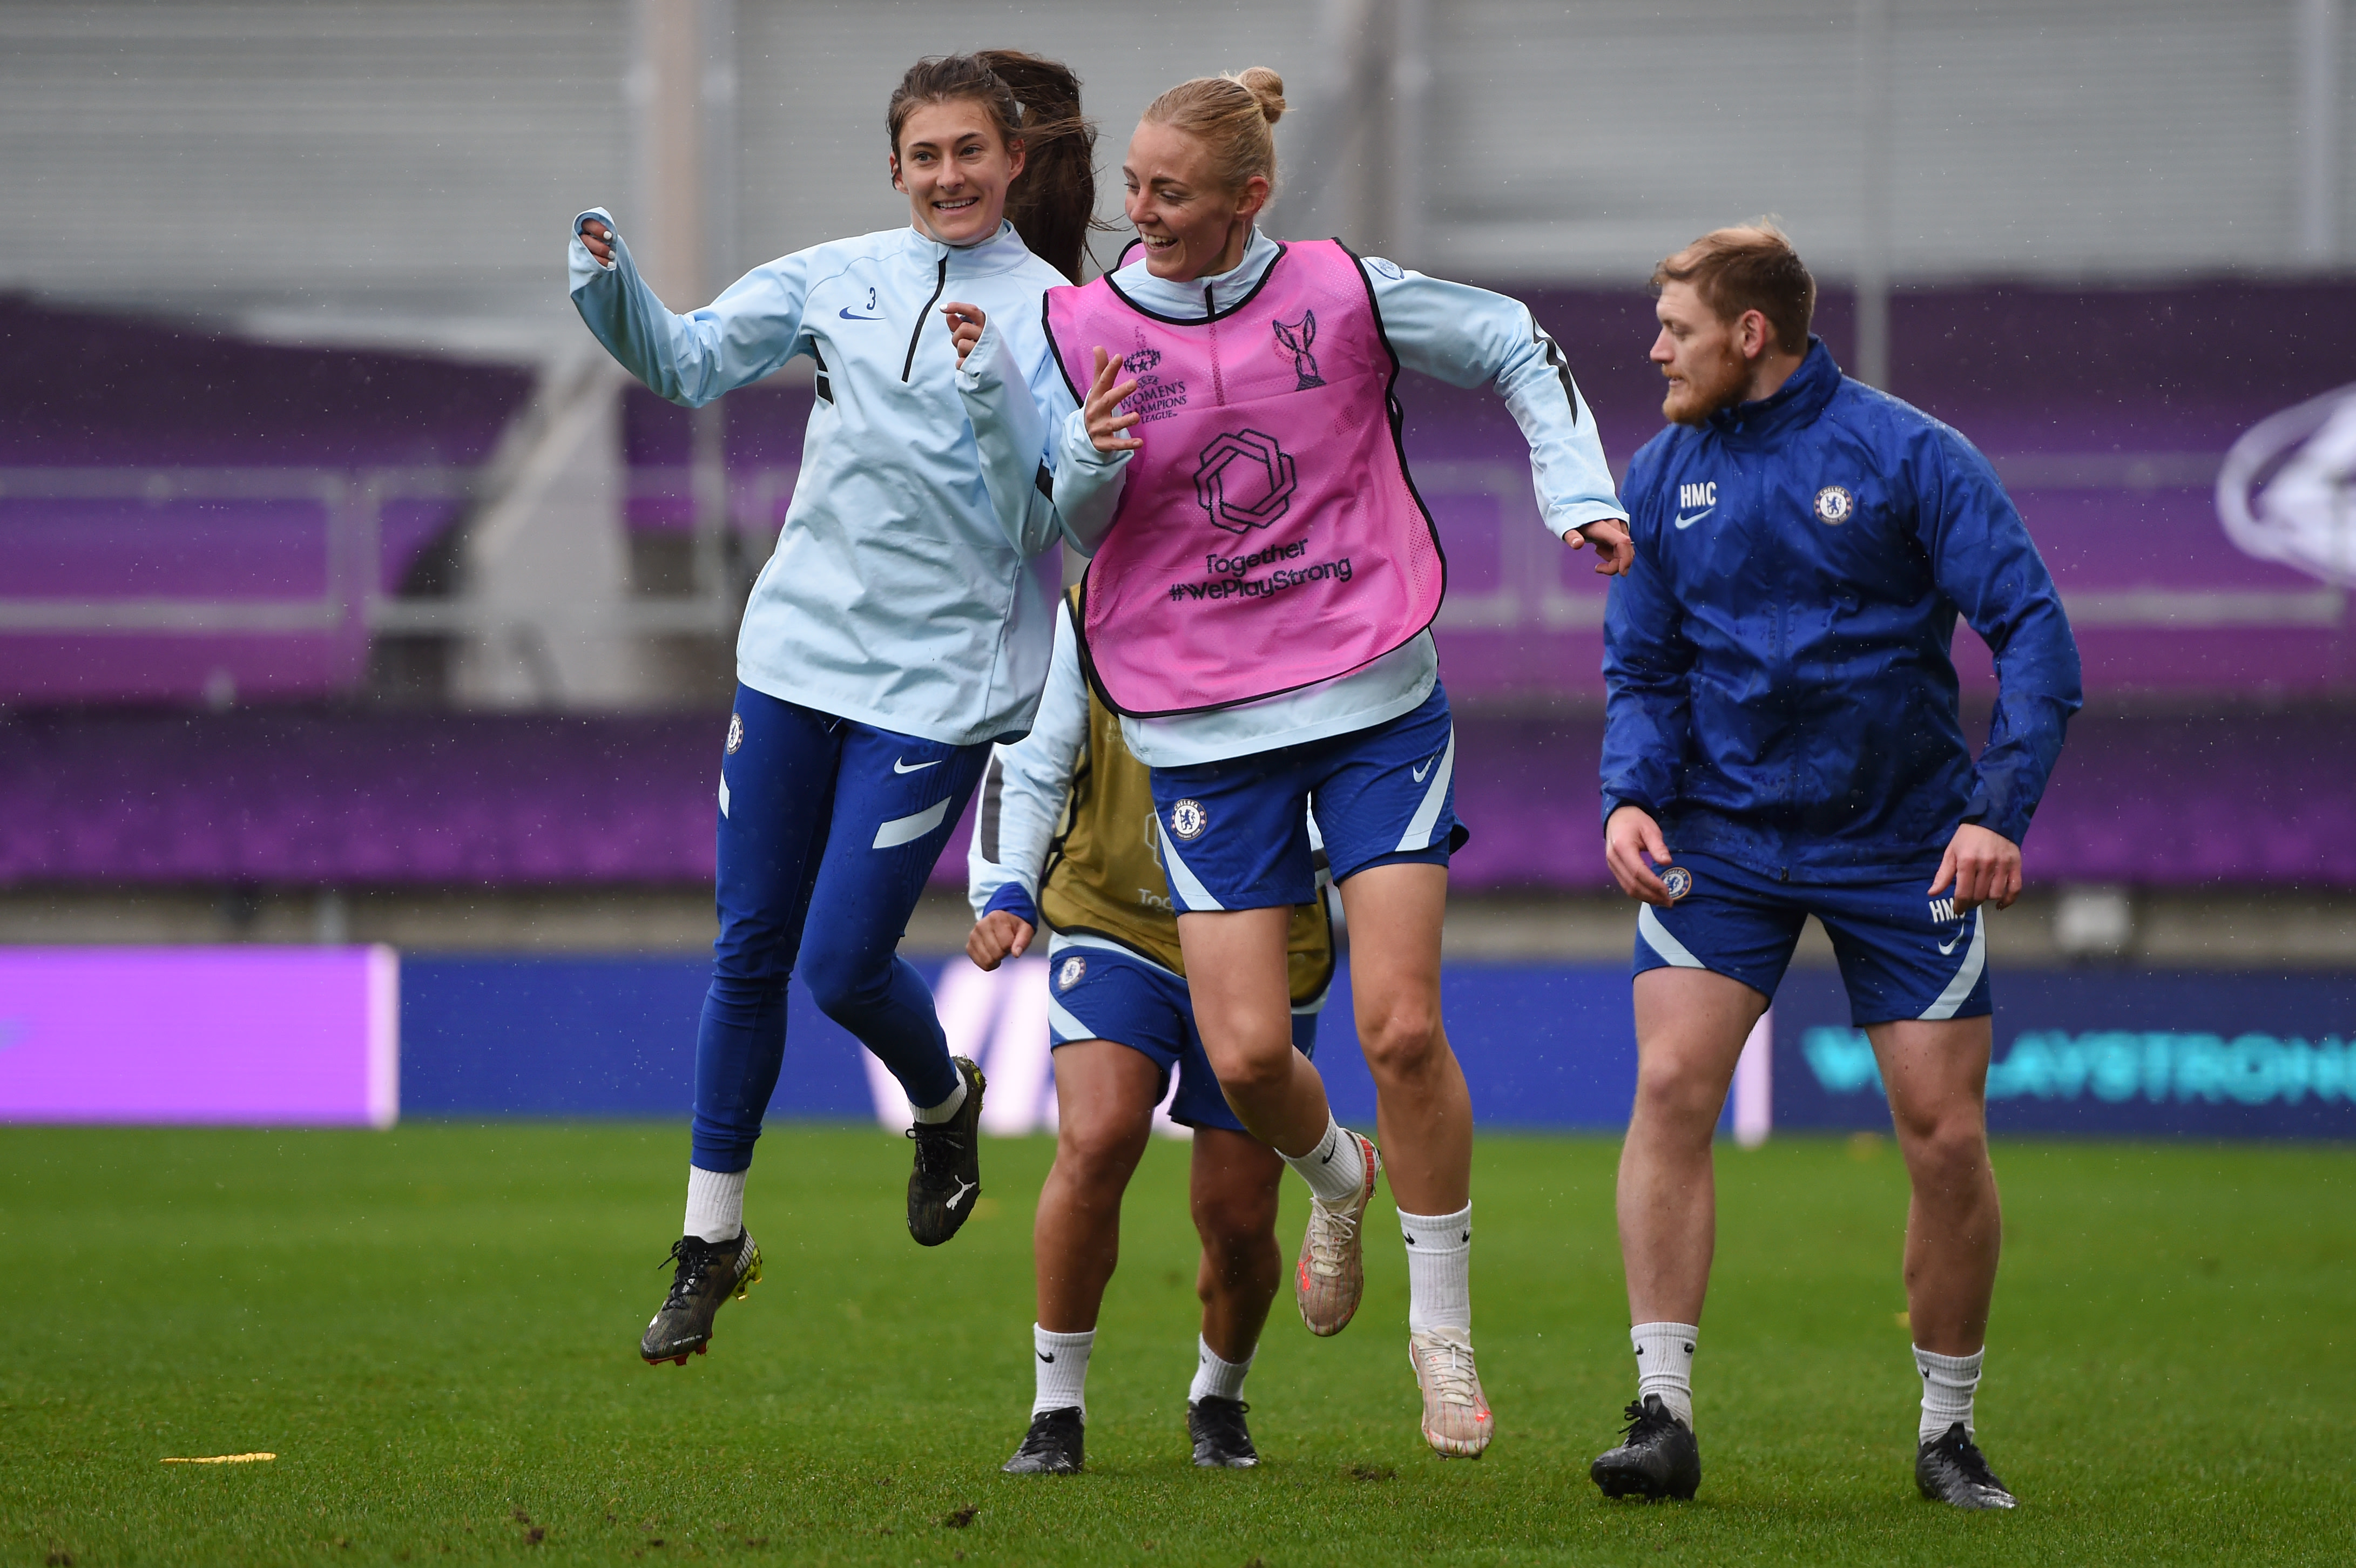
x: 715, y: 1203
x: 1216, y: 1379
x: 1061, y: 1361
x: 1439, y: 1269
x: 1665, y: 1353
x: 1948, y: 1385
x: 1336, y: 1168
x: 946, y: 1109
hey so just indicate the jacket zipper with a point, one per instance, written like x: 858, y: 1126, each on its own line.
x: 1211, y: 322
x: 939, y: 283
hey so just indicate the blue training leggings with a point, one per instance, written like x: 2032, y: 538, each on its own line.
x: 824, y: 817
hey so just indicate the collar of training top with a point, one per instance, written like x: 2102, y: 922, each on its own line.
x: 1183, y: 302
x: 1796, y: 403
x: 1001, y: 252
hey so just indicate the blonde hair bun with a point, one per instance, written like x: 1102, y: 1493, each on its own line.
x: 1230, y: 115
x: 1266, y: 86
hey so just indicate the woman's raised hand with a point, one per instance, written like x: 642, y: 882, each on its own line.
x: 1106, y: 421
x: 965, y: 322
x: 600, y: 241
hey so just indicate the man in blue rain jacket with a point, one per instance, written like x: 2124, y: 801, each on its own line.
x: 1783, y: 739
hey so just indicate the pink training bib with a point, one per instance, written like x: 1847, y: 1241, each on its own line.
x: 1268, y: 535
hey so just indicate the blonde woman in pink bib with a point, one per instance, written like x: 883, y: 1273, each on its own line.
x: 1258, y: 609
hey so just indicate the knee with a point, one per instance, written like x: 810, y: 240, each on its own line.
x: 743, y: 998
x: 1673, y: 1097
x: 1946, y: 1152
x: 1252, y: 1061
x: 1235, y: 1226
x: 1100, y: 1152
x: 842, y: 980
x: 1403, y: 1039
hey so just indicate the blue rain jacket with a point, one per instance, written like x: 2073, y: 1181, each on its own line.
x: 1780, y: 686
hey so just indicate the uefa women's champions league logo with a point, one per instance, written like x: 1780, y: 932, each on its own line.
x: 2287, y: 489
x: 1297, y: 335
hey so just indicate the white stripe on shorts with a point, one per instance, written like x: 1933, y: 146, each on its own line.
x: 1657, y: 937
x: 1065, y: 1026
x: 1194, y: 898
x: 1427, y: 815
x: 909, y: 830
x: 1974, y: 960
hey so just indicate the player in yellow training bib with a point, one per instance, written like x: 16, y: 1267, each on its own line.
x: 1066, y: 837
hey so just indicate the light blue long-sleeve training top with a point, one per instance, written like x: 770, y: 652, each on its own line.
x: 898, y: 594
x: 1463, y: 336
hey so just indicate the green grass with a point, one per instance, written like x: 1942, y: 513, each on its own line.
x: 435, y: 1330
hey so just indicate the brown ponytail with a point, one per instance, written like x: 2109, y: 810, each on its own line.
x: 1035, y: 101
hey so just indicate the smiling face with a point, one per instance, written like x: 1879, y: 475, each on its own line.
x: 1706, y: 360
x: 955, y: 169
x: 1193, y: 226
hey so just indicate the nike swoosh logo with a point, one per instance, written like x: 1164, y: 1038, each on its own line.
x: 846, y: 313
x: 1048, y: 1357
x: 900, y: 767
x: 959, y: 1197
x: 1684, y: 522
x: 1949, y: 946
x: 1423, y: 770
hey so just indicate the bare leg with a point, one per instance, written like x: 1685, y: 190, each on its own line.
x: 1690, y: 1026
x: 1243, y: 1008
x: 1235, y: 1192
x: 1103, y: 1100
x: 1937, y: 1078
x: 1424, y: 1111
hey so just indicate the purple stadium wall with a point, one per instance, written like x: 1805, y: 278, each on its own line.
x: 316, y: 799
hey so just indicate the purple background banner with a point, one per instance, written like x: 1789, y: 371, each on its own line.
x: 260, y: 1036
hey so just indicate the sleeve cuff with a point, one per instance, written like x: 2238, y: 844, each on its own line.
x: 1079, y: 449
x: 1613, y: 802
x: 1013, y: 899
x: 606, y: 217
x: 976, y: 373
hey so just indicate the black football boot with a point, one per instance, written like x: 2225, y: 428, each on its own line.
x: 1222, y: 1441
x: 1951, y: 1469
x: 1055, y: 1444
x: 1658, y: 1457
x: 948, y: 1176
x: 708, y: 1274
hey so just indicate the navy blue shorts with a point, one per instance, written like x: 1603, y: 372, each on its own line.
x: 1903, y: 954
x: 1109, y: 993
x: 1235, y: 834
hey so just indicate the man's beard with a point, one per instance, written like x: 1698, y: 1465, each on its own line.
x: 1719, y: 386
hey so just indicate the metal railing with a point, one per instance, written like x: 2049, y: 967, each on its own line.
x: 351, y: 504
x: 1530, y: 594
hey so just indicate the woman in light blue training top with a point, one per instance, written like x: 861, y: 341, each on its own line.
x: 895, y: 633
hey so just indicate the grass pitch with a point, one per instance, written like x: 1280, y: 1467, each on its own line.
x: 434, y: 1330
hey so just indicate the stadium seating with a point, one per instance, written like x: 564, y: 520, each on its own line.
x: 2106, y: 410
x: 310, y: 798
x: 200, y: 467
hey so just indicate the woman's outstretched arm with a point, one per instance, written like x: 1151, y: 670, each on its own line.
x: 749, y: 332
x: 1468, y: 337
